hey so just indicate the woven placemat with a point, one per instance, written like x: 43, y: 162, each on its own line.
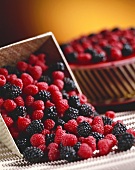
x: 113, y: 161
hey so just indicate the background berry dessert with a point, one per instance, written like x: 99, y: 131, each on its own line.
x: 104, y: 65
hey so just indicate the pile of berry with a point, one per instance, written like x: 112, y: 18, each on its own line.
x: 107, y: 45
x: 49, y: 120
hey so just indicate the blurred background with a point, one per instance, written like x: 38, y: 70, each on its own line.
x: 67, y: 19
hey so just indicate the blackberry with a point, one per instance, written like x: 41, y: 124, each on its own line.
x: 84, y: 129
x: 126, y: 50
x: 91, y: 35
x: 33, y: 154
x: 74, y: 101
x: 18, y: 111
x: 107, y: 49
x: 36, y: 126
x: 71, y: 113
x: 71, y: 57
x: 43, y: 95
x: 86, y: 110
x: 98, y: 58
x: 90, y: 51
x: 13, y: 70
x: 118, y: 129
x: 95, y: 113
x: 77, y: 146
x: 46, y: 79
x: 10, y: 91
x: 65, y: 95
x: 69, y: 84
x: 68, y: 153
x: 49, y: 138
x: 60, y: 122
x: 59, y: 66
x: 97, y: 136
x: 125, y: 141
x: 115, y: 29
x: 22, y: 144
x: 51, y: 113
x: 62, y: 46
x: 107, y: 120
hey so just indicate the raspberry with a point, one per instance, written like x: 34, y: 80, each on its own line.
x: 37, y: 114
x: 45, y: 131
x: 84, y: 129
x: 11, y: 77
x: 32, y: 59
x: 43, y: 95
x: 110, y: 114
x: 35, y: 72
x: 42, y: 86
x: 23, y: 123
x: 116, y: 54
x: 49, y: 104
x: 107, y: 129
x: 41, y: 57
x: 1, y: 102
x: 29, y: 100
x: 58, y: 135
x: 2, y: 80
x: 42, y: 147
x: 69, y: 140
x: 53, y: 154
x: 62, y: 106
x: 38, y: 105
x: 98, y: 128
x: 52, y: 146
x: 26, y: 79
x: 56, y: 96
x: 59, y: 83
x: 98, y: 120
x: 58, y: 75
x: 4, y: 72
x: 111, y: 137
x: 17, y: 82
x: 9, y: 105
x: 82, y: 118
x: 49, y: 124
x: 49, y: 138
x: 42, y: 65
x: 19, y: 101
x: 30, y: 90
x: 22, y: 66
x: 14, y: 132
x: 37, y: 139
x: 131, y: 131
x: 85, y: 151
x: 71, y: 126
x: 9, y: 121
x: 83, y: 98
x: 84, y: 58
x: 52, y: 88
x: 91, y: 141
x: 104, y: 146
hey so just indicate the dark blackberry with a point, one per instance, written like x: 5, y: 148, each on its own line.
x: 95, y: 113
x: 18, y: 111
x: 97, y: 136
x: 62, y: 46
x: 132, y: 28
x: 115, y: 29
x: 22, y: 144
x: 71, y: 57
x: 71, y: 113
x: 84, y: 129
x: 10, y: 91
x: 69, y: 84
x: 107, y: 49
x: 68, y: 153
x: 107, y: 120
x: 118, y: 129
x: 46, y: 79
x: 90, y: 51
x: 51, y: 113
x: 125, y: 141
x: 59, y: 66
x: 74, y: 101
x: 65, y: 95
x: 43, y: 95
x: 13, y: 70
x: 91, y: 35
x: 49, y: 138
x: 98, y: 58
x: 86, y: 110
x: 60, y: 122
x: 36, y: 126
x: 33, y: 154
x: 127, y: 50
x: 77, y: 146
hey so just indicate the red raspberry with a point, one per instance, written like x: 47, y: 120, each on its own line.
x: 1, y: 102
x: 14, y: 132
x: 83, y: 98
x: 45, y: 131
x: 8, y: 120
x: 49, y: 124
x: 18, y: 82
x: 78, y: 48
x: 58, y: 135
x: 112, y: 137
x: 82, y: 118
x: 37, y: 139
x: 42, y: 147
x: 84, y: 58
x: 35, y: 72
x: 53, y: 154
x: 37, y: 114
x: 30, y: 90
x: 19, y: 101
x: 91, y: 141
x: 32, y: 59
x: 4, y: 113
x: 85, y: 151
x: 42, y: 65
x: 53, y: 88
x: 110, y: 114
x: 72, y: 93
x: 22, y: 66
x: 49, y: 104
x: 4, y: 72
x: 56, y: 96
x: 71, y: 126
x: 118, y: 121
x: 9, y: 105
x: 23, y: 123
x: 41, y: 57
x: 69, y: 140
x: 29, y: 100
x: 68, y: 49
x: 98, y: 128
x: 2, y: 80
x: 131, y: 131
x: 58, y: 75
x: 26, y: 79
x: 59, y: 83
x: 98, y: 120
x: 42, y: 86
x: 107, y: 129
x: 11, y: 77
x: 62, y: 106
x: 104, y: 146
x: 52, y: 146
x: 116, y: 54
x: 38, y: 105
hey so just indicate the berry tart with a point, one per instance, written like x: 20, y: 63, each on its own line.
x: 104, y: 65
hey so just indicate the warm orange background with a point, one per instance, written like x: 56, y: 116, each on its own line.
x: 67, y: 19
